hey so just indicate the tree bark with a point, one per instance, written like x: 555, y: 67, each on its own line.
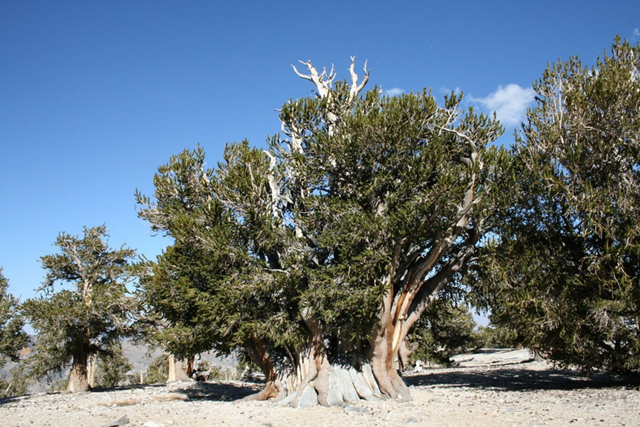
x: 259, y: 354
x: 91, y: 369
x: 312, y: 379
x: 404, y: 355
x: 177, y: 371
x: 383, y: 356
x: 190, y: 362
x: 78, y: 378
x: 171, y: 376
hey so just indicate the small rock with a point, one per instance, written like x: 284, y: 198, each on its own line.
x: 350, y: 408
x: 119, y: 422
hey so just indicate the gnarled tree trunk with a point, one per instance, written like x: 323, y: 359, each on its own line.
x: 189, y: 368
x: 78, y: 376
x: 313, y: 379
x: 383, y: 363
x: 259, y: 354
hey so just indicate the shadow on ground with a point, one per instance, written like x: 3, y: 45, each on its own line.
x: 191, y: 390
x: 520, y: 378
x: 219, y: 391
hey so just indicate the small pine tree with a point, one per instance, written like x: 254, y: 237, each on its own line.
x: 16, y: 384
x: 112, y: 369
x: 90, y: 316
x: 158, y: 371
x: 446, y: 329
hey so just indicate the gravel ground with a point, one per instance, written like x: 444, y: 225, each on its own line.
x: 520, y: 394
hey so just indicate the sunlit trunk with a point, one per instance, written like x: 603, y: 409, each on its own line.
x: 383, y: 355
x: 259, y: 354
x: 78, y: 378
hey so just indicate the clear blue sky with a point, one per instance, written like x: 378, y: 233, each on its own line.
x: 95, y: 95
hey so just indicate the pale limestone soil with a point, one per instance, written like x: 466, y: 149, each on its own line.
x: 477, y: 396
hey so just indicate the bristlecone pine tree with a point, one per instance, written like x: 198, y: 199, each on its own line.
x: 317, y: 256
x: 564, y: 273
x: 446, y: 329
x: 89, y: 315
x: 12, y: 336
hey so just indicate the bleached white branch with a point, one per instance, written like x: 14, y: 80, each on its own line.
x: 323, y: 81
x: 355, y: 87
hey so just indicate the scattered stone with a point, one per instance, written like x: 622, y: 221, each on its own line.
x: 532, y: 394
x: 119, y: 422
x: 357, y: 409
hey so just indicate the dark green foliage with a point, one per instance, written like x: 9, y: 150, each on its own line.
x: 212, y: 288
x: 12, y: 337
x: 92, y: 310
x: 446, y: 329
x: 563, y: 273
x: 382, y: 190
x: 493, y: 336
x: 16, y: 383
x: 112, y: 369
x: 158, y: 371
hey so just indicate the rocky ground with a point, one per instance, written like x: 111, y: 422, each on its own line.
x: 491, y: 388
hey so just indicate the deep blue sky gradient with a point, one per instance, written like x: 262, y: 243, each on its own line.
x: 95, y: 95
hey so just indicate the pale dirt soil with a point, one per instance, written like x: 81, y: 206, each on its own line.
x: 521, y: 394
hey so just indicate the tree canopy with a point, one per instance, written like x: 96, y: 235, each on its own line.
x: 563, y: 272
x: 90, y: 312
x: 329, y: 245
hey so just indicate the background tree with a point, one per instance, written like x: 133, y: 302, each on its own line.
x: 446, y: 329
x: 12, y: 340
x: 113, y: 368
x: 214, y: 288
x: 12, y: 336
x: 563, y: 273
x: 158, y: 370
x: 87, y: 317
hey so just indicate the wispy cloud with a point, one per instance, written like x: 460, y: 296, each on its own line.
x: 396, y: 91
x: 447, y: 91
x: 509, y: 102
x: 636, y: 32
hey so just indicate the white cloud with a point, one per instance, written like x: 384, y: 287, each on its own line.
x: 509, y: 102
x: 636, y: 32
x: 396, y: 91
